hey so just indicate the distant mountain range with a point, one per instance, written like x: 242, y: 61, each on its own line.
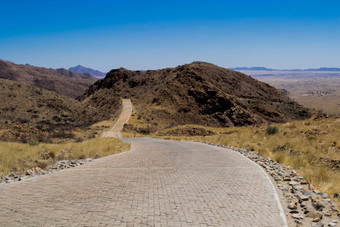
x: 85, y: 70
x: 267, y: 69
x: 61, y: 81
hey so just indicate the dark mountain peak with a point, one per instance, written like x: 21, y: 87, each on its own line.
x: 119, y: 70
x: 85, y: 70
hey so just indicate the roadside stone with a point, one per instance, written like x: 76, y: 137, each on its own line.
x: 317, y: 192
x: 298, y: 221
x: 327, y: 213
x: 29, y: 172
x: 292, y: 206
x: 332, y: 224
x: 317, y: 224
x: 308, y: 209
x: 304, y: 182
x: 60, y: 165
x: 287, y: 179
x: 297, y: 187
x: 318, y: 205
x: 293, y: 183
x: 303, y: 204
x: 324, y: 196
x: 302, y: 198
x: 297, y: 216
x: 315, y: 215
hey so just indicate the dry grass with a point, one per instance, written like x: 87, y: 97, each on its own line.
x: 94, y: 130
x: 314, y: 90
x: 17, y: 157
x: 312, y: 147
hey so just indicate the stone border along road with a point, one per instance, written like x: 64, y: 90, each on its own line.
x: 305, y: 206
x: 156, y: 183
x: 124, y: 117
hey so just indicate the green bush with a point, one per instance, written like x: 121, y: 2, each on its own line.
x: 271, y: 130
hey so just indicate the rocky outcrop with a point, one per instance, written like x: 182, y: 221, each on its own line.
x: 198, y: 93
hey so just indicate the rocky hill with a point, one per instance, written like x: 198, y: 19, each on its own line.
x: 61, y: 81
x: 29, y: 113
x: 85, y: 70
x: 196, y: 93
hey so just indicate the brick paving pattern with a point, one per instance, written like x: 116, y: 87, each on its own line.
x: 157, y: 183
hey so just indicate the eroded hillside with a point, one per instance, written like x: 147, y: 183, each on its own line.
x: 61, y: 81
x: 197, y: 93
x: 31, y: 113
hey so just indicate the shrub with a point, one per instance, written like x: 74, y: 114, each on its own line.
x: 22, y: 121
x: 271, y: 130
x: 154, y: 100
x: 42, y: 165
x: 63, y: 134
x: 78, y: 140
x: 33, y: 143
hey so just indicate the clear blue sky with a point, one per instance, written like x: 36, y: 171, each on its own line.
x: 155, y: 34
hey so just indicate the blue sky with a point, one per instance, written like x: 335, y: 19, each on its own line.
x: 155, y: 34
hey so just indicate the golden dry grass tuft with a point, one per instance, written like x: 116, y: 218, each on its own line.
x: 18, y: 157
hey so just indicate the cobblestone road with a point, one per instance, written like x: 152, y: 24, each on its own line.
x: 157, y: 183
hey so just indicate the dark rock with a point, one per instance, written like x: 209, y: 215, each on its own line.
x: 318, y: 205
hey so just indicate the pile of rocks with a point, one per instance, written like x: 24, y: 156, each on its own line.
x: 305, y: 205
x: 60, y: 165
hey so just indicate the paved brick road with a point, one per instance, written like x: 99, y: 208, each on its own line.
x: 157, y: 183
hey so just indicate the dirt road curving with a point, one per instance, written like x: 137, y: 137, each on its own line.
x: 124, y: 117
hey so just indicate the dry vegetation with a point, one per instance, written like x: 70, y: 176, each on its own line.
x: 84, y: 143
x: 312, y: 147
x: 18, y: 157
x: 196, y: 93
x: 61, y: 81
x: 318, y: 90
x: 28, y: 113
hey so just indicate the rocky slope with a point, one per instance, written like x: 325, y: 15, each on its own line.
x: 61, y: 81
x: 197, y: 93
x: 28, y: 113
